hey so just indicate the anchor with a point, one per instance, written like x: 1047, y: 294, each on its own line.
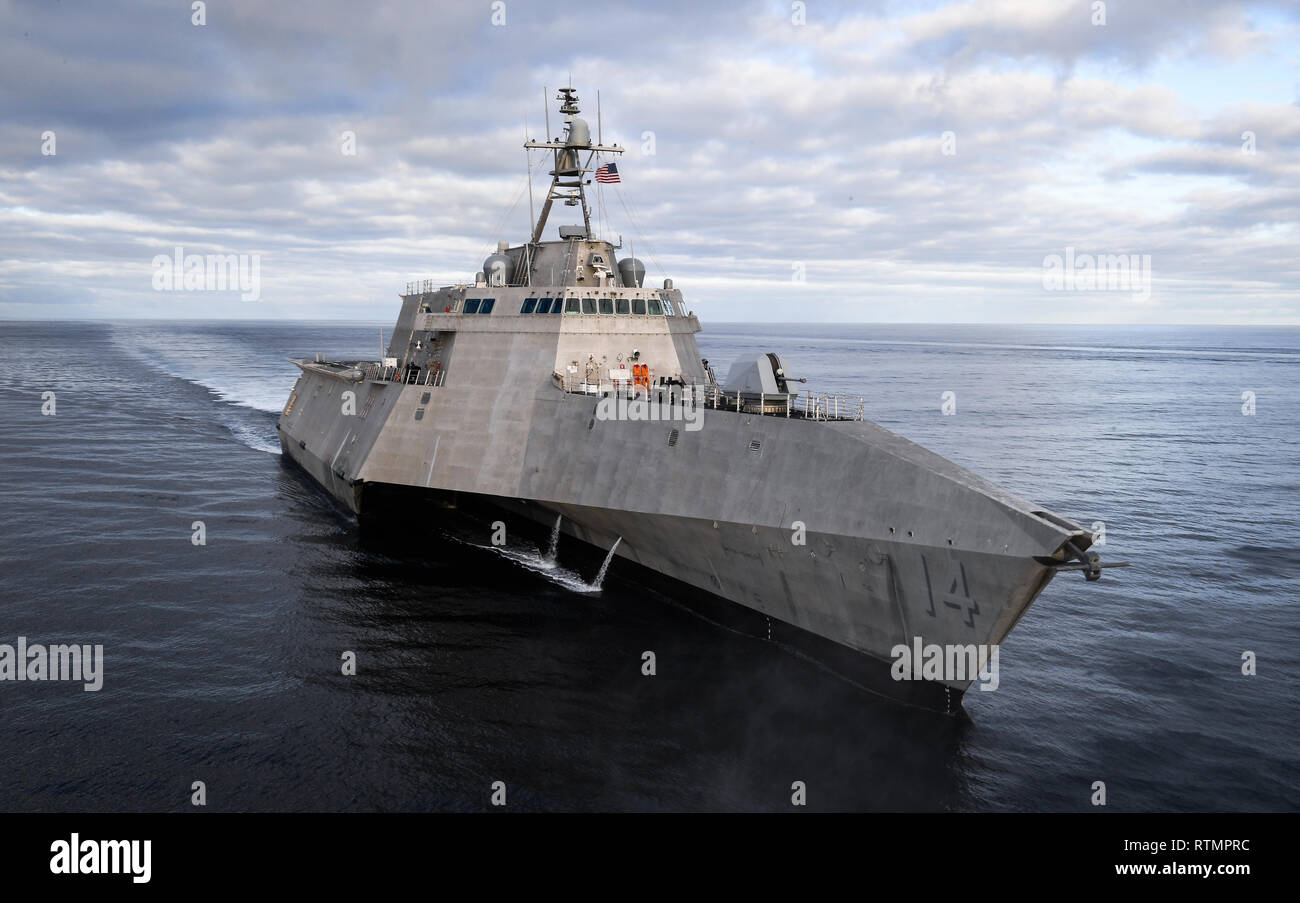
x: 1088, y: 562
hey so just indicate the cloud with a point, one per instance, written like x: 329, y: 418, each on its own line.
x: 776, y: 146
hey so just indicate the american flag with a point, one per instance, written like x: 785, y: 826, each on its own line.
x: 607, y: 173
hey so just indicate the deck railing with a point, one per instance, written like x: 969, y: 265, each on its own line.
x: 421, y: 287
x: 377, y: 372
x: 805, y: 405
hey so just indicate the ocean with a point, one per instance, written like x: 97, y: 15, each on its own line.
x: 476, y: 665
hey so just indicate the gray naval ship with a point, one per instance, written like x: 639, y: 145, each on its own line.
x: 559, y: 386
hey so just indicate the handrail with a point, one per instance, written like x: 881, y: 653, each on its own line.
x: 421, y: 287
x: 825, y: 407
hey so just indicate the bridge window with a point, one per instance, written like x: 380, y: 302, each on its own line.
x: 656, y: 308
x: 572, y: 306
x: 543, y: 305
x: 620, y: 305
x: 486, y: 306
x: 638, y: 305
x: 588, y: 305
x: 471, y: 305
x: 606, y: 305
x: 530, y: 304
x: 668, y: 308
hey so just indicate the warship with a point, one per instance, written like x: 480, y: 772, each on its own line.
x: 559, y: 387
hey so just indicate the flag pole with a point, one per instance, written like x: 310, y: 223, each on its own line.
x: 600, y: 142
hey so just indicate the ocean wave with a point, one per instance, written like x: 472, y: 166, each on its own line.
x: 235, y: 376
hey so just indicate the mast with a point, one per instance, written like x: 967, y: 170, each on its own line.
x: 569, y: 174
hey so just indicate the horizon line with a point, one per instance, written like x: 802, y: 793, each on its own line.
x: 323, y: 320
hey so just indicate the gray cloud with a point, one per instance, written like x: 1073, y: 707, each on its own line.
x: 776, y: 145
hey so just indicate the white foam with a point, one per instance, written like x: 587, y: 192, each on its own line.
x: 533, y: 560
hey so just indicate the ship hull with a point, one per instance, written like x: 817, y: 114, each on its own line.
x: 841, y: 530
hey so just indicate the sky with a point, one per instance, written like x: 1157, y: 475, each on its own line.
x: 786, y: 161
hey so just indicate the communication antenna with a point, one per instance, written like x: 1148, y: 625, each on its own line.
x: 528, y: 167
x: 547, y: 112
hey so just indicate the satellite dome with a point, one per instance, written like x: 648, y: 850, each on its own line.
x: 497, y: 269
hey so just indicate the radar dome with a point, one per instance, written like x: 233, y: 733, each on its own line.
x: 497, y: 269
x: 579, y: 133
x: 631, y: 271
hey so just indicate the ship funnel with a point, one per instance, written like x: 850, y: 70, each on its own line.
x: 631, y: 271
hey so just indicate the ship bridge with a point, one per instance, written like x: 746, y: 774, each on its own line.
x: 567, y: 310
x: 588, y: 335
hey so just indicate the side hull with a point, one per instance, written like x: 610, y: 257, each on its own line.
x: 840, y: 529
x: 866, y: 595
x: 395, y: 508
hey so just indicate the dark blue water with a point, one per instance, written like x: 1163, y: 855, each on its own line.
x: 222, y: 661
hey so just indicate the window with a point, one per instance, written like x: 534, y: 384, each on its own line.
x: 486, y: 307
x: 606, y: 305
x: 668, y: 308
x: 571, y: 306
x: 620, y: 305
x: 588, y: 305
x: 530, y: 304
x: 656, y: 308
x: 543, y: 305
x: 471, y: 305
x: 638, y: 306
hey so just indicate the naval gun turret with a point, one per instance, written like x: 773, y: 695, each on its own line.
x: 759, y: 385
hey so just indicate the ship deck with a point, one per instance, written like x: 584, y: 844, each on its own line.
x: 794, y: 405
